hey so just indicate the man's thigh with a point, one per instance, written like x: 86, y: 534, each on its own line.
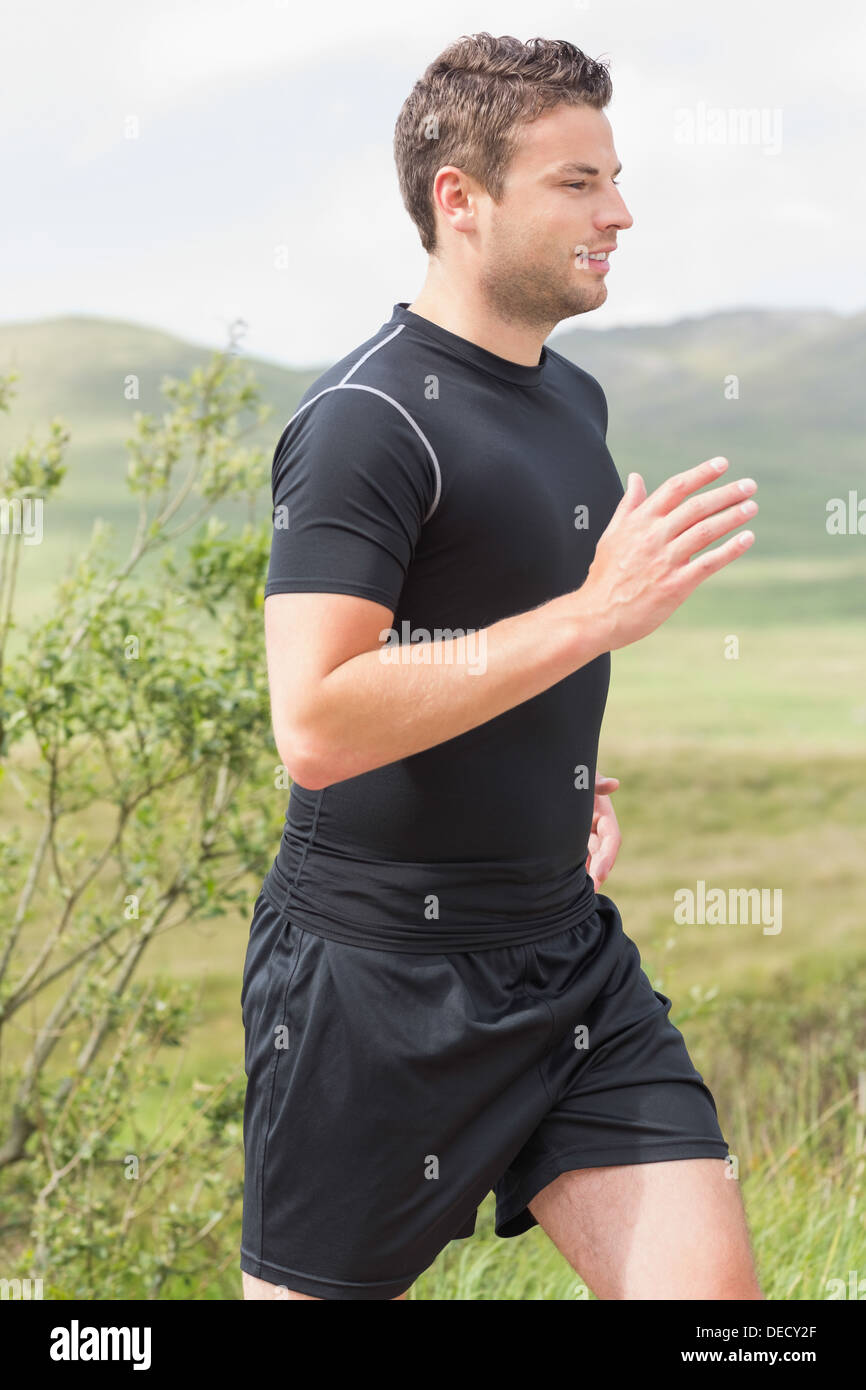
x: 261, y: 1289
x: 665, y: 1230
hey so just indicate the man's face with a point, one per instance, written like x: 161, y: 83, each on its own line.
x: 534, y: 245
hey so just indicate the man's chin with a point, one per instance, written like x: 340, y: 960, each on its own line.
x: 583, y: 300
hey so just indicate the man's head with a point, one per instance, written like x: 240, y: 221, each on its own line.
x: 483, y: 144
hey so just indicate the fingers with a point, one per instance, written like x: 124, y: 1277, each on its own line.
x: 696, y: 509
x: 710, y: 529
x: 634, y: 495
x: 672, y: 492
x: 601, y: 859
x: 604, y: 845
x: 605, y: 785
x: 702, y: 566
x: 658, y: 549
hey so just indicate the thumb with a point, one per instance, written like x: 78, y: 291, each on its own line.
x: 634, y: 494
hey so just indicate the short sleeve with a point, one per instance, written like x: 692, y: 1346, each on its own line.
x: 352, y: 483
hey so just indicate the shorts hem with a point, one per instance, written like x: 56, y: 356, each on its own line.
x: 514, y: 1217
x: 324, y: 1288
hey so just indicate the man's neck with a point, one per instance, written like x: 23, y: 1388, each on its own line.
x: 459, y: 313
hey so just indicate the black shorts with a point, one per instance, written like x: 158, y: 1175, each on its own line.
x: 388, y: 1093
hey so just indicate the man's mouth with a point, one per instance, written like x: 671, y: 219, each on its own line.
x: 594, y: 260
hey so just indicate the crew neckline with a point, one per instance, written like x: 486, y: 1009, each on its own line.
x: 502, y: 367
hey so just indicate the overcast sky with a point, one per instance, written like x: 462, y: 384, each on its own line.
x: 263, y: 124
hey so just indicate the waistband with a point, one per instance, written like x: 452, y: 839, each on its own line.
x: 421, y: 908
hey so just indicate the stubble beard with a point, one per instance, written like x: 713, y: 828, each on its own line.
x: 538, y: 294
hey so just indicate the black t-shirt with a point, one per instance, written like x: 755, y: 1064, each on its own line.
x: 457, y: 488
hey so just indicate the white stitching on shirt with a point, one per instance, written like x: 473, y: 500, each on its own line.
x: 370, y: 351
x: 346, y: 385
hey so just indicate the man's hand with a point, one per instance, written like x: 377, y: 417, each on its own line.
x: 647, y: 563
x: 605, y: 839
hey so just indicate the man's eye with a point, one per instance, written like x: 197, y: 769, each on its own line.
x: 578, y: 185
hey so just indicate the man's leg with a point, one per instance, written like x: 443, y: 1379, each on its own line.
x: 260, y: 1289
x: 666, y: 1230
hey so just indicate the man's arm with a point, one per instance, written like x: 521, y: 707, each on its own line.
x: 339, y: 710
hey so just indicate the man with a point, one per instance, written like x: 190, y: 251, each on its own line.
x: 437, y: 1000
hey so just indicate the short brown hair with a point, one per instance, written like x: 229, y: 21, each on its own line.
x: 468, y: 106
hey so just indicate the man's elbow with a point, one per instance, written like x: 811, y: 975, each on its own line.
x: 308, y: 763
